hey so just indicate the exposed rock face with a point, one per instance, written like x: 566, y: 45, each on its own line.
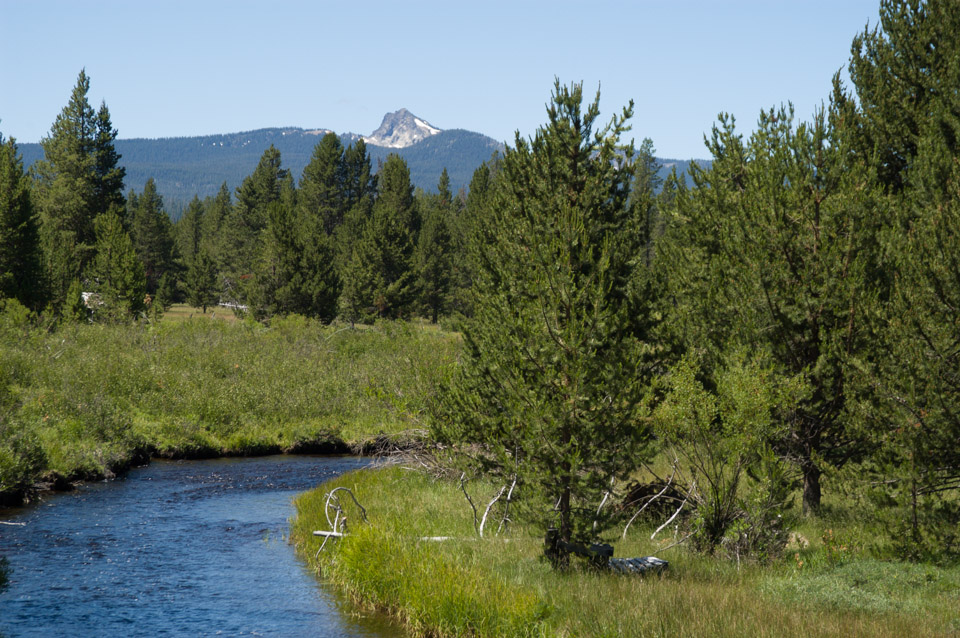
x: 400, y: 130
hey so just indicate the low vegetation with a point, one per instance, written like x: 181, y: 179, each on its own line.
x: 86, y: 401
x: 499, y: 585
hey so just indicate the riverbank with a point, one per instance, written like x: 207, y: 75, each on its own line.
x: 87, y: 402
x: 498, y: 586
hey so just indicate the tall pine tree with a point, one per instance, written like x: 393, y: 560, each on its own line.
x: 380, y: 280
x: 78, y: 180
x: 152, y: 235
x: 21, y: 257
x: 557, y: 326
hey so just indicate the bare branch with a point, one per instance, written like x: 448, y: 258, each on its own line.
x: 675, y: 514
x: 470, y: 500
x: 651, y: 500
x: 506, y: 507
x: 490, y: 505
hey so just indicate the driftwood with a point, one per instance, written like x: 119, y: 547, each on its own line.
x: 338, y: 526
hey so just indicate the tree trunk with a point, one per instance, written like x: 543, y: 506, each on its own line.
x: 811, y: 489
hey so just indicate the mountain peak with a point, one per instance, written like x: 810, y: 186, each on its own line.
x: 401, y: 129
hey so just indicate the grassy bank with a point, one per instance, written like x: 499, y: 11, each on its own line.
x: 87, y: 401
x: 498, y: 586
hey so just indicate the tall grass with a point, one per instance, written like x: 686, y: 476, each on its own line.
x: 499, y: 586
x: 86, y: 401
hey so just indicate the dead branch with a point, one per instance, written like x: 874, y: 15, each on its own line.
x: 490, y: 505
x: 339, y: 510
x: 675, y: 514
x: 506, y: 507
x: 470, y: 500
x: 606, y: 495
x: 651, y: 500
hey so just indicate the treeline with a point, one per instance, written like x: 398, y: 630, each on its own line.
x: 788, y: 322
x: 341, y: 240
x: 187, y: 166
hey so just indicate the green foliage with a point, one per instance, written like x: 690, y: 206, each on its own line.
x: 723, y: 462
x: 380, y: 280
x: 117, y: 273
x: 778, y: 247
x: 85, y: 401
x: 559, y: 354
x: 152, y: 235
x: 201, y: 284
x: 296, y: 273
x: 189, y: 232
x: 21, y: 257
x: 78, y: 180
x: 249, y: 217
x: 433, y: 258
x: 323, y: 185
x: 904, y: 72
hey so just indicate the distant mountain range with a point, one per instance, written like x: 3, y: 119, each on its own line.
x: 186, y: 166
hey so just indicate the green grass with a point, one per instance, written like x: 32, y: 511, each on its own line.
x: 184, y: 312
x: 499, y: 586
x: 86, y: 401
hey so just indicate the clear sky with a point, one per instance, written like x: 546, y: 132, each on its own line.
x: 182, y: 68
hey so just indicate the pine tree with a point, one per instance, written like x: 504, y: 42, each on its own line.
x: 201, y: 281
x: 322, y: 186
x: 467, y: 230
x: 109, y: 175
x: 557, y: 326
x: 380, y: 279
x: 904, y: 73
x: 644, y: 196
x: 77, y: 180
x: 360, y: 184
x: 152, y: 235
x: 433, y: 257
x: 242, y: 236
x: 776, y: 249
x: 118, y: 274
x: 21, y: 257
x: 189, y: 232
x: 214, y: 231
x: 359, y: 190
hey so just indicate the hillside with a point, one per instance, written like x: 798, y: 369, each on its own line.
x: 185, y: 166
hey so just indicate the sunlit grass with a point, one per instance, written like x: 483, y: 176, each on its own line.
x: 499, y: 584
x: 85, y: 401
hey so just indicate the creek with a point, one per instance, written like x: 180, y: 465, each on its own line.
x: 177, y: 548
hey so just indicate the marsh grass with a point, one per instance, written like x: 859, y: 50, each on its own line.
x: 499, y: 586
x: 86, y: 401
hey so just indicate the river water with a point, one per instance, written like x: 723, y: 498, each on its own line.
x: 178, y: 548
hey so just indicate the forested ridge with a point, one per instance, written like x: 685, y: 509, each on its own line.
x: 186, y: 166
x: 786, y: 316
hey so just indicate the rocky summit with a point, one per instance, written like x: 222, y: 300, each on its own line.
x: 401, y: 129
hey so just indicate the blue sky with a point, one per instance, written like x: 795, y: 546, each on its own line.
x: 201, y: 67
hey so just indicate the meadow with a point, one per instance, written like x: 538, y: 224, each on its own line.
x: 87, y: 401
x: 829, y: 583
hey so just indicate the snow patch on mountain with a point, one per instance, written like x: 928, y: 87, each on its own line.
x: 401, y: 129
